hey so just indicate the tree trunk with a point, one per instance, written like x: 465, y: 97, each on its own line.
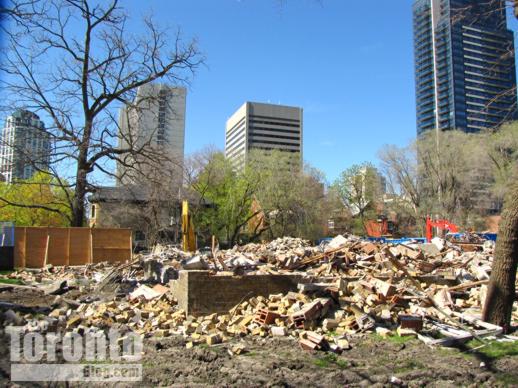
x: 501, y: 290
x: 78, y: 209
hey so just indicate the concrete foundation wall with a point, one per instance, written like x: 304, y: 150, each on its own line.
x: 198, y: 293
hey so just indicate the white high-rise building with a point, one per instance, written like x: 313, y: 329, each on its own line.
x: 263, y: 126
x: 25, y: 146
x: 156, y: 118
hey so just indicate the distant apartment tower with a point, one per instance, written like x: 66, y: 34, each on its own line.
x: 156, y: 119
x: 263, y: 126
x: 25, y: 146
x: 464, y: 65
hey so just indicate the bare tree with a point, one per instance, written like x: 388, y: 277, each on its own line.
x: 359, y: 187
x: 465, y: 171
x: 75, y: 62
x: 399, y: 166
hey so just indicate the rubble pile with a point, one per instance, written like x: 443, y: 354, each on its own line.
x: 282, y: 252
x: 75, y: 275
x: 432, y: 291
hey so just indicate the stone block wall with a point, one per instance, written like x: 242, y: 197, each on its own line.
x: 200, y: 293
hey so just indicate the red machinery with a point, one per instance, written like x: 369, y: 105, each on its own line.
x: 440, y: 224
x: 377, y: 228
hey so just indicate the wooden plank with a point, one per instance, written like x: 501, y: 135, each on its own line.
x: 468, y: 285
x: 131, y: 245
x: 79, y: 246
x: 70, y: 246
x: 453, y: 335
x: 67, y: 254
x: 58, y: 246
x: 35, y: 243
x: 46, y: 255
x: 112, y: 245
x: 20, y: 234
x: 111, y: 238
x: 91, y: 253
x: 478, y: 322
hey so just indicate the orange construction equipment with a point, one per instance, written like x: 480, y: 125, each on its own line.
x: 440, y: 224
x: 377, y: 228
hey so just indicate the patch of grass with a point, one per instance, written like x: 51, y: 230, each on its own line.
x: 214, y: 349
x: 11, y: 281
x: 148, y: 364
x: 95, y: 362
x: 328, y: 360
x: 507, y: 379
x: 250, y: 354
x: 6, y: 272
x: 395, y: 339
x: 408, y: 366
x: 494, y: 349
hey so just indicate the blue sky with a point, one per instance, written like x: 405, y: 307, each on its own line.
x: 348, y: 64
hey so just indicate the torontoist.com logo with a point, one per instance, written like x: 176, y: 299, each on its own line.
x: 90, y: 356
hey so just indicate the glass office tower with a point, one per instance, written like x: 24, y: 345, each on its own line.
x: 464, y: 65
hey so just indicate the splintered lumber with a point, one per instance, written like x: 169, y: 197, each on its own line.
x: 468, y: 285
x: 455, y: 335
x: 316, y: 258
x: 475, y: 321
x: 112, y: 275
x: 428, y: 298
x: 399, y: 266
x: 352, y: 288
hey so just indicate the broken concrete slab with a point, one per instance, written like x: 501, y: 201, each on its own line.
x: 56, y: 288
x: 195, y: 263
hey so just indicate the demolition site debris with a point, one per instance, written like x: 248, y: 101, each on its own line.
x: 347, y: 288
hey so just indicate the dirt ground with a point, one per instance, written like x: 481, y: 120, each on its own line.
x: 279, y: 362
x: 371, y: 362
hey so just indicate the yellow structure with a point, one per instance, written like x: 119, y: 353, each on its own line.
x: 188, y: 238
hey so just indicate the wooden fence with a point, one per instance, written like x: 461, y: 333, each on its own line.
x: 37, y: 246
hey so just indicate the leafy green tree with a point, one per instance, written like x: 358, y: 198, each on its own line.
x: 223, y: 197
x: 271, y: 196
x: 292, y: 198
x: 38, y: 201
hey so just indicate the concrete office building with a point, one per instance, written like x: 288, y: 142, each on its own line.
x: 263, y: 126
x: 25, y: 146
x: 156, y: 117
x: 464, y: 65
